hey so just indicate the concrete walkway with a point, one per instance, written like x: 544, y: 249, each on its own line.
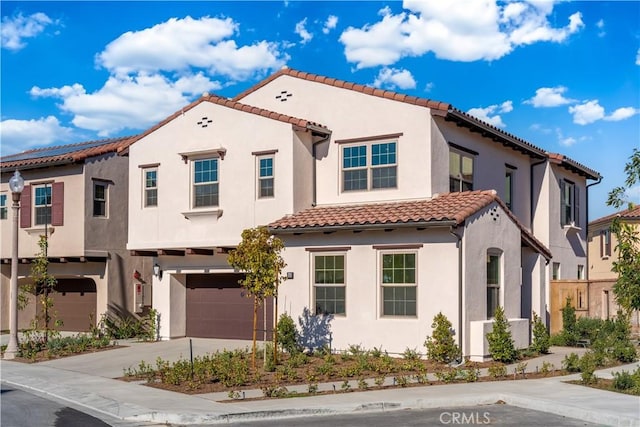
x: 86, y: 380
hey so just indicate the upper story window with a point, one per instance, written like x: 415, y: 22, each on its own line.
x: 399, y: 284
x: 580, y: 272
x: 205, y: 182
x: 150, y: 178
x: 100, y: 199
x: 555, y: 272
x: 42, y: 204
x: 3, y: 206
x: 329, y: 284
x: 265, y: 176
x: 508, y: 186
x: 494, y: 281
x: 569, y: 203
x: 605, y: 243
x: 369, y: 166
x: 460, y: 170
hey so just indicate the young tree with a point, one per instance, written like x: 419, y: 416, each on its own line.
x: 501, y: 345
x: 44, y: 284
x: 441, y: 346
x: 258, y: 256
x: 627, y: 265
x: 541, y: 340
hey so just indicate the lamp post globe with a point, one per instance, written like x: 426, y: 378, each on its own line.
x: 16, y: 185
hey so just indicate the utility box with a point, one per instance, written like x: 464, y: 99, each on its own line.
x: 141, y: 296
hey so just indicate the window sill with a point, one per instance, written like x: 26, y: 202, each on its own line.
x: 39, y: 230
x: 571, y: 228
x: 209, y: 212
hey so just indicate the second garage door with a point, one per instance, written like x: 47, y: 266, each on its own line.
x: 74, y: 303
x: 217, y: 307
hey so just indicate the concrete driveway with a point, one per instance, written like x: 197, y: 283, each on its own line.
x: 112, y: 363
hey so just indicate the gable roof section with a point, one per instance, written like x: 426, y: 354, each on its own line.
x: 225, y: 102
x: 448, y: 209
x: 62, y: 154
x: 437, y: 108
x: 573, y: 166
x: 631, y: 214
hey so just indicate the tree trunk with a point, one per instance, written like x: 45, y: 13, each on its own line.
x: 275, y: 330
x: 255, y: 327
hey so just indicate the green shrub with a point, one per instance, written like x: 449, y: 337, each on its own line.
x: 569, y: 324
x: 501, y: 345
x: 622, y: 380
x: 497, y: 371
x: 441, y: 346
x: 571, y: 362
x: 541, y: 342
x: 288, y: 334
x: 546, y: 368
x: 587, y: 366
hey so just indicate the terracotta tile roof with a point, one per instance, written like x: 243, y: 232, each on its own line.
x: 62, y: 154
x: 573, y: 166
x: 229, y: 103
x: 631, y: 214
x: 444, y: 209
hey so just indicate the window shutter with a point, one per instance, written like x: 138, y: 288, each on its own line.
x: 576, y: 205
x: 25, y: 207
x: 563, y: 204
x: 602, y: 242
x: 57, y: 203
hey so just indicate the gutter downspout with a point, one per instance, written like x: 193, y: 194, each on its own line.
x: 314, y: 168
x: 460, y: 306
x: 587, y: 230
x: 531, y: 190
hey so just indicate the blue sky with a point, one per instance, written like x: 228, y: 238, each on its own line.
x: 564, y: 76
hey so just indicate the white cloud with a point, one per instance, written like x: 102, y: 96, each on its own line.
x: 179, y: 44
x: 587, y: 112
x: 20, y: 135
x: 491, y: 114
x: 622, y: 114
x: 638, y: 57
x: 17, y: 28
x: 128, y: 102
x: 591, y: 111
x: 457, y: 30
x: 330, y: 24
x: 429, y: 87
x: 392, y: 78
x: 549, y: 97
x: 600, y: 25
x: 300, y: 30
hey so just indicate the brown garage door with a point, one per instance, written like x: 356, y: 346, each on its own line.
x: 74, y: 303
x: 217, y: 307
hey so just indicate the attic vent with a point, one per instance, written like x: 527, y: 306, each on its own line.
x: 204, y: 122
x: 284, y: 95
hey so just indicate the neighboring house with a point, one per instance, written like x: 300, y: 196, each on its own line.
x: 76, y: 195
x: 370, y: 209
x: 593, y: 296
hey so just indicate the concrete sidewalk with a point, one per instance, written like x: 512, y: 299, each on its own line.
x: 86, y: 380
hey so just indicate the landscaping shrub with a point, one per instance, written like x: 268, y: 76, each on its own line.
x: 571, y: 362
x: 541, y: 340
x: 569, y: 333
x: 441, y: 346
x: 288, y: 334
x: 587, y: 366
x: 501, y: 345
x: 622, y: 380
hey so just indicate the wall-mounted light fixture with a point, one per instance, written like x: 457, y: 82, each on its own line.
x: 157, y: 271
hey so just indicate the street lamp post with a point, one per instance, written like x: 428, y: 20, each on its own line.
x: 16, y: 185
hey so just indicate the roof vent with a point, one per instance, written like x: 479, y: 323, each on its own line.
x: 205, y: 94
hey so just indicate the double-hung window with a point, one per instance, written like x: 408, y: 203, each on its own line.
x: 369, y: 166
x: 150, y: 178
x: 493, y: 282
x: 605, y: 243
x: 460, y: 171
x: 100, y: 199
x: 3, y: 206
x: 42, y: 204
x: 205, y: 182
x: 329, y: 284
x: 508, y: 186
x: 569, y: 203
x: 399, y: 284
x: 265, y: 176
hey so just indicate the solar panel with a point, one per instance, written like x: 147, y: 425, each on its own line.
x: 55, y: 151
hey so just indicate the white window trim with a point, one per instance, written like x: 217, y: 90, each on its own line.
x: 106, y: 199
x: 500, y: 286
x: 145, y: 188
x: 381, y: 285
x: 213, y: 209
x: 369, y: 143
x: 5, y: 207
x: 604, y: 236
x: 463, y: 153
x: 36, y: 206
x: 312, y: 292
x: 259, y: 178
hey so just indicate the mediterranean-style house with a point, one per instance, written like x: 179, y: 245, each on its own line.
x: 593, y: 296
x: 75, y: 195
x: 392, y: 209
